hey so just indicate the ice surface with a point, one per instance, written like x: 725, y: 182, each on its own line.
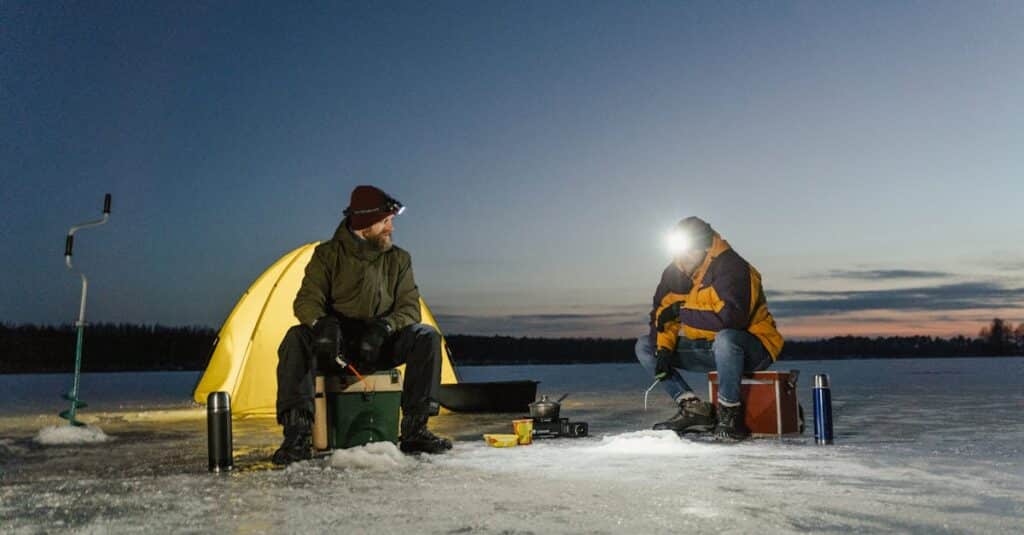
x: 922, y: 447
x: 70, y: 434
x: 8, y: 448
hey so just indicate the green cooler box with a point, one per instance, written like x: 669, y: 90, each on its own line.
x: 359, y: 413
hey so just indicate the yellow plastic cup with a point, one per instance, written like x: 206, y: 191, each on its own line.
x: 523, y: 430
x: 501, y: 441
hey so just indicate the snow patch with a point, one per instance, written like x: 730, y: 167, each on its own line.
x: 70, y: 434
x: 376, y: 456
x: 639, y: 456
x: 650, y: 443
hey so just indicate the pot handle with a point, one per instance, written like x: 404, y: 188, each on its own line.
x: 565, y: 395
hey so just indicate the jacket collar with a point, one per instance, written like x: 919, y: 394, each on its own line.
x: 718, y: 246
x: 353, y: 244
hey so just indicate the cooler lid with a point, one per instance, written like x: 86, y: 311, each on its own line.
x: 382, y: 381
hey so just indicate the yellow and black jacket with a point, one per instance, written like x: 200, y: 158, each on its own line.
x: 723, y: 293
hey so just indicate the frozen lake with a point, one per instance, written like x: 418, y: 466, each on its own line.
x: 921, y: 446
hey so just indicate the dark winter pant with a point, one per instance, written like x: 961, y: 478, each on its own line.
x: 417, y: 346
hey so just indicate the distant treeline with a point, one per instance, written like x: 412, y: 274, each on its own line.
x: 509, y: 350
x: 106, y: 347
x: 123, y: 347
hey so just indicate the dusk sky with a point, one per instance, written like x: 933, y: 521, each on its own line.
x: 866, y: 157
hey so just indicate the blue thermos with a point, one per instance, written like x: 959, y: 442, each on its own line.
x: 218, y: 431
x: 822, y: 410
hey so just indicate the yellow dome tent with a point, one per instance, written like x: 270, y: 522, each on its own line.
x: 244, y: 360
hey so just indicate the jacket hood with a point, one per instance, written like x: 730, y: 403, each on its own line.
x: 718, y: 246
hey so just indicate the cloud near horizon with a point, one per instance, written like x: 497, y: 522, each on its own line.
x: 945, y: 297
x: 942, y: 309
x: 883, y: 274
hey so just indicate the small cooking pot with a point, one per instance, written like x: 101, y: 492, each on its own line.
x: 545, y: 408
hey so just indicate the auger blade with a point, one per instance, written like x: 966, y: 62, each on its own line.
x: 74, y: 401
x: 67, y: 415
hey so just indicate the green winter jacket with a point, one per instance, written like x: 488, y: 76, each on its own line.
x: 356, y: 281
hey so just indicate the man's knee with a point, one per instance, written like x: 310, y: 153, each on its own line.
x: 426, y: 339
x: 729, y: 336
x: 296, y: 338
x: 728, y: 344
x: 426, y: 331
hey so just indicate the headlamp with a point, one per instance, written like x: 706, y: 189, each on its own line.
x: 390, y: 206
x: 678, y: 242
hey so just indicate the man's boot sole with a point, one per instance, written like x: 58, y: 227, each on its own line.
x: 287, y: 459
x: 727, y: 437
x: 694, y: 428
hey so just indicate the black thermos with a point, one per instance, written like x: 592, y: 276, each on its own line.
x: 218, y: 431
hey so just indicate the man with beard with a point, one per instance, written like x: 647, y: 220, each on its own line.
x: 358, y: 296
x: 712, y: 297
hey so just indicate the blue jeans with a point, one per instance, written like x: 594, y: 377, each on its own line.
x: 732, y: 353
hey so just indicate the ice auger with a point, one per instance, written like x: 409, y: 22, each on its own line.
x: 69, y: 243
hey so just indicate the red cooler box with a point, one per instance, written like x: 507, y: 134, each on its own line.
x: 769, y: 399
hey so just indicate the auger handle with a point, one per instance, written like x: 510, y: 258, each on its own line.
x: 69, y: 242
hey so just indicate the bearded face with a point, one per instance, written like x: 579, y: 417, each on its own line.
x: 378, y: 235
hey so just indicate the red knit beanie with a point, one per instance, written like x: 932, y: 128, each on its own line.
x: 369, y: 205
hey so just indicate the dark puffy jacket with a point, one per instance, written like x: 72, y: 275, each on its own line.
x: 723, y: 293
x: 350, y: 277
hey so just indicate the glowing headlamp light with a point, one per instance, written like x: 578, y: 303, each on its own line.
x: 390, y: 206
x: 678, y: 242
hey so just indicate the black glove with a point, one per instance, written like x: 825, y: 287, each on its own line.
x: 668, y: 315
x: 374, y: 335
x: 663, y: 363
x: 327, y: 337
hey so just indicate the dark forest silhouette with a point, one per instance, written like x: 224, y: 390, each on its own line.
x: 123, y: 347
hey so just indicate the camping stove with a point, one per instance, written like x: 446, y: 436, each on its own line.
x: 558, y: 427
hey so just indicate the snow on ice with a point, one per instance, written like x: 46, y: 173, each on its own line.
x: 70, y: 434
x: 377, y: 456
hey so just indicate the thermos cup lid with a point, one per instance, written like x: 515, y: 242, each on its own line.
x: 218, y: 401
x: 821, y: 380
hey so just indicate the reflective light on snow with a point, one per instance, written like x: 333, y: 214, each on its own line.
x: 70, y: 434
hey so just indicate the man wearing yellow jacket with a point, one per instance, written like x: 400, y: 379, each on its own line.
x: 709, y: 313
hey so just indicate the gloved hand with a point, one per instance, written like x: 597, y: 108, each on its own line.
x: 327, y: 337
x: 374, y: 335
x: 668, y: 315
x: 663, y: 363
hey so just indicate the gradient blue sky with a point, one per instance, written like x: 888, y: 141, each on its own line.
x: 866, y: 157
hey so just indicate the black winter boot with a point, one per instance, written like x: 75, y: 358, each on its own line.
x: 416, y: 438
x: 694, y: 416
x: 730, y: 423
x: 298, y: 442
